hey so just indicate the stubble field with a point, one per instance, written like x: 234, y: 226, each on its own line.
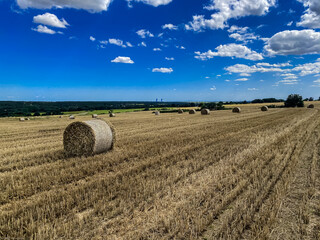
x: 253, y: 175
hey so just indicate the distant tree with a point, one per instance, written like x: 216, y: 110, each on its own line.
x: 319, y: 99
x: 294, y: 100
x: 306, y: 99
x: 36, y: 114
x: 311, y: 99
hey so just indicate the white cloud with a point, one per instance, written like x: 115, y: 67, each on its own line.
x: 50, y: 20
x: 117, y: 42
x: 157, y: 50
x: 142, y: 44
x: 245, y: 69
x: 43, y: 29
x: 104, y: 42
x: 253, y: 89
x: 265, y: 64
x: 245, y: 74
x: 289, y: 76
x: 228, y: 9
x: 129, y: 44
x: 92, y: 39
x: 170, y: 26
x: 311, y: 17
x: 92, y: 5
x: 230, y: 50
x: 288, y: 82
x: 227, y: 80
x: 122, y: 60
x: 241, y: 34
x: 163, y: 70
x: 154, y: 3
x: 213, y: 88
x: 169, y: 58
x: 294, y: 43
x: 308, y: 68
x: 289, y: 23
x: 241, y: 80
x: 144, y: 33
x: 180, y: 47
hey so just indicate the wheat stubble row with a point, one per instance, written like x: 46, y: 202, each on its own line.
x: 167, y: 184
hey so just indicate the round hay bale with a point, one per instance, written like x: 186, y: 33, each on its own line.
x: 157, y: 113
x: 27, y: 119
x: 60, y: 116
x: 21, y: 119
x: 88, y: 138
x: 112, y: 115
x: 192, y: 111
x: 205, y: 112
x: 94, y: 116
x: 180, y: 111
x: 264, y: 108
x: 71, y: 117
x: 236, y: 110
x: 311, y: 106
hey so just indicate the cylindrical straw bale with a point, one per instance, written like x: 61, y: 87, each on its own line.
x: 21, y: 119
x: 264, y: 108
x: 192, y: 111
x: 157, y: 113
x: 94, y: 115
x: 180, y: 111
x: 311, y: 106
x: 112, y: 115
x: 205, y: 112
x: 71, y: 117
x: 236, y: 110
x: 88, y: 138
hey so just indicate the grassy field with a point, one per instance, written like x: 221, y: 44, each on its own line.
x: 253, y: 175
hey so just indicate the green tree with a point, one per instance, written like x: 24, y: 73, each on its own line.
x: 294, y: 100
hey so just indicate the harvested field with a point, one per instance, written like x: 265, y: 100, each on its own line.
x: 254, y: 175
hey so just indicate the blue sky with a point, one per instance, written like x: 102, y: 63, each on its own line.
x: 178, y: 50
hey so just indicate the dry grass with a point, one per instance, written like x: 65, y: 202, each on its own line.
x: 224, y: 176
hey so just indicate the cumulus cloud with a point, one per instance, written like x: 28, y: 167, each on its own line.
x: 170, y: 26
x: 308, y: 68
x: 122, y: 60
x: 241, y: 34
x: 228, y: 9
x: 144, y: 33
x: 311, y: 17
x: 157, y: 50
x: 243, y: 69
x: 119, y: 43
x: 230, y: 50
x: 169, y: 58
x: 213, y: 88
x: 92, y: 39
x: 44, y: 29
x: 163, y: 70
x: 92, y: 5
x: 253, y: 89
x: 294, y: 42
x: 50, y: 20
x: 154, y: 3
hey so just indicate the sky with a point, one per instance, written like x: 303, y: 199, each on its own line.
x: 175, y: 50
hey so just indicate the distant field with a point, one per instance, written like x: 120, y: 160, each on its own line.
x: 253, y: 175
x: 114, y: 111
